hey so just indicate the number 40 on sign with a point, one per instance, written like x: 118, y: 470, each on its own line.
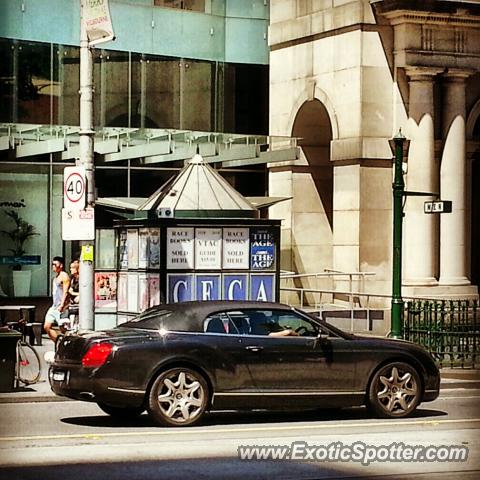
x: 74, y: 188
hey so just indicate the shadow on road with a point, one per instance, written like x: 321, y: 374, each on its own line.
x: 232, y: 418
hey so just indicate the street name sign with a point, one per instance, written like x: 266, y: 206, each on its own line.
x: 439, y: 206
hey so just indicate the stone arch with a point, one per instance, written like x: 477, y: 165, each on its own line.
x: 313, y: 125
x: 311, y: 93
x: 472, y: 125
x: 473, y: 133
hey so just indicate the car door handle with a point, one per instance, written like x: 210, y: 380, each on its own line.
x: 254, y: 348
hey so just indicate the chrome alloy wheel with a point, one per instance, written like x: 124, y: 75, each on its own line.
x: 399, y: 391
x: 178, y: 397
x: 395, y: 390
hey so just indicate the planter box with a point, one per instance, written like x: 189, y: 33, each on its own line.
x: 21, y: 283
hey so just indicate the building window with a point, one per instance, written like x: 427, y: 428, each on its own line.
x: 193, y: 5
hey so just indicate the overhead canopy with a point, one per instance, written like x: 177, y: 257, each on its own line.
x: 147, y: 146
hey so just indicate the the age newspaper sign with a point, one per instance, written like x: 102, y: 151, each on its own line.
x: 96, y: 16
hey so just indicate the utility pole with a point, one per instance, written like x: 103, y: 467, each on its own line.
x: 86, y: 304
x: 398, y: 194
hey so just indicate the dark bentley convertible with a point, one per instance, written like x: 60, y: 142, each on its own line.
x: 180, y: 360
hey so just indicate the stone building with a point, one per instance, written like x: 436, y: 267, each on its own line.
x: 345, y: 76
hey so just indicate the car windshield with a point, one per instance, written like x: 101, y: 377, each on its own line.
x: 148, y: 320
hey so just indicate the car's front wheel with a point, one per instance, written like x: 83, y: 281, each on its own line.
x: 394, y: 390
x: 178, y: 397
x: 121, y: 412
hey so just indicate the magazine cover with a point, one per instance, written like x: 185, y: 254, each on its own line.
x: 122, y: 292
x: 143, y: 241
x: 153, y: 289
x: 132, y: 292
x: 143, y: 293
x: 105, y: 248
x: 105, y: 290
x: 154, y: 248
x: 132, y: 242
x: 122, y: 250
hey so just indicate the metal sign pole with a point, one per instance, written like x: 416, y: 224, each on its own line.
x: 86, y: 303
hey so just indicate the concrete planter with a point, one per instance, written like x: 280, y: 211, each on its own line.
x: 21, y: 283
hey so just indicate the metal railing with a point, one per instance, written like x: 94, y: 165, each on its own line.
x: 317, y: 303
x: 357, y: 301
x: 448, y: 329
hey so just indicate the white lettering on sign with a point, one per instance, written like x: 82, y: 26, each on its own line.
x: 176, y: 288
x: 262, y: 293
x: 231, y: 289
x: 236, y: 248
x: 207, y: 287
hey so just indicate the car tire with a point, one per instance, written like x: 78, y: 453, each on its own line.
x: 121, y: 412
x: 395, y: 390
x: 178, y: 397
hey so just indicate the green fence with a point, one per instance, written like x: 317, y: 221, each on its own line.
x: 448, y: 329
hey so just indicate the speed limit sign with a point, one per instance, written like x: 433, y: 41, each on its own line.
x: 74, y: 188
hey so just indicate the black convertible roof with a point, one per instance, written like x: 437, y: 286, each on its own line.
x: 189, y: 316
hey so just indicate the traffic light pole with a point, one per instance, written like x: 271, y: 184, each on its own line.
x: 398, y: 194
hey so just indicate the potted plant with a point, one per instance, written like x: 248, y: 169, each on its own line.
x: 19, y: 235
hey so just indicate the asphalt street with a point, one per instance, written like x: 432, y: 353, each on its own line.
x: 75, y: 440
x: 47, y: 437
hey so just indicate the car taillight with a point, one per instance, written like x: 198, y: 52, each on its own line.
x: 97, y: 355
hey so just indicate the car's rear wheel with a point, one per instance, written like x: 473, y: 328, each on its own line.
x: 121, y: 412
x: 178, y: 397
x: 395, y: 390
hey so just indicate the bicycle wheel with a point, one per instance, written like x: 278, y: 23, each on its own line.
x: 28, y: 363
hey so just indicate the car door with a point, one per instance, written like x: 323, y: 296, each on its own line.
x: 224, y: 352
x: 314, y: 362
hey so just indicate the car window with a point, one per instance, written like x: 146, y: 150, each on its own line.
x: 148, y: 320
x: 300, y: 325
x: 220, y: 323
x: 276, y: 323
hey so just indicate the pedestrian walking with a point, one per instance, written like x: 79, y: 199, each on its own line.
x: 74, y: 292
x: 58, y: 312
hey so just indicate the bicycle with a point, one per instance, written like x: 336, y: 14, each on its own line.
x: 27, y: 361
x: 28, y: 364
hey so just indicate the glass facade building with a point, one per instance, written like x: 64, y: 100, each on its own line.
x: 180, y: 65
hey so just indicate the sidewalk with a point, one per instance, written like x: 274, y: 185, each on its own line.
x: 41, y: 392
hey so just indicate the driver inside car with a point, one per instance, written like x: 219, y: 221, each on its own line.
x: 261, y: 325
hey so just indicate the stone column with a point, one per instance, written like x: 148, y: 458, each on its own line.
x: 420, y: 240
x: 453, y: 226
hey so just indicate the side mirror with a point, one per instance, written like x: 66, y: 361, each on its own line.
x: 321, y: 339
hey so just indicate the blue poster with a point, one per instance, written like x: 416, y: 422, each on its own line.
x: 262, y: 287
x: 235, y: 287
x: 262, y: 249
x: 180, y: 288
x: 208, y: 287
